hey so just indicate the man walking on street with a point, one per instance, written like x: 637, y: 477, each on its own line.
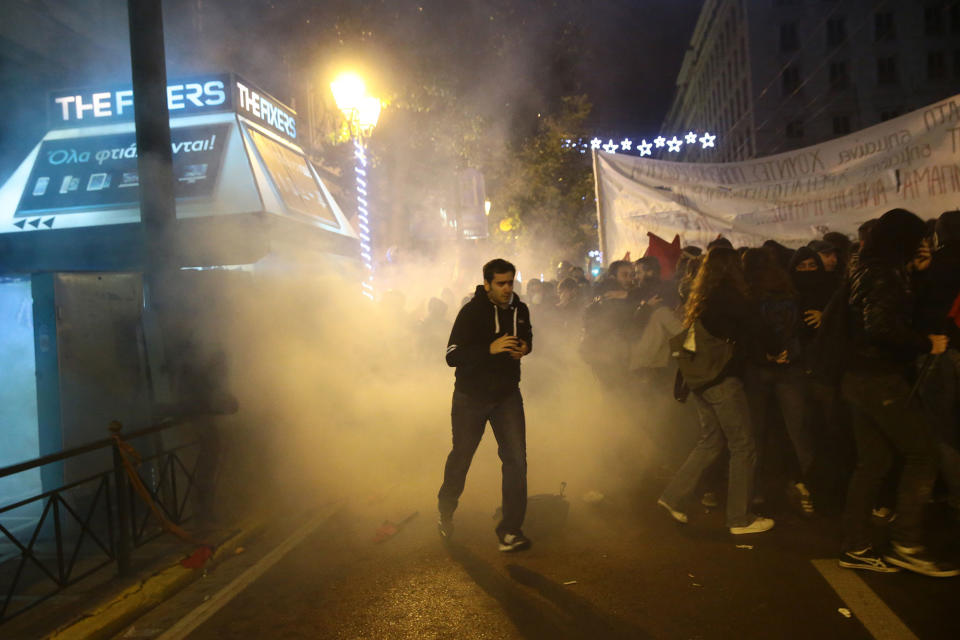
x: 491, y: 334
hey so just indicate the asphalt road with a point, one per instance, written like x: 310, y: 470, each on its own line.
x: 621, y: 569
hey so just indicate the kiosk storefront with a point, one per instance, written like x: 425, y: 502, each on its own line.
x: 71, y: 250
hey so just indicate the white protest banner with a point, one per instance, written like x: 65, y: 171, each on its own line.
x: 912, y: 162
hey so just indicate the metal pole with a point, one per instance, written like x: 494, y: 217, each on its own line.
x: 154, y: 156
x: 123, y: 514
x: 601, y: 226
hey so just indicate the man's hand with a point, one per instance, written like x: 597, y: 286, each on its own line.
x: 939, y: 344
x: 813, y: 318
x: 522, y: 349
x: 505, y: 344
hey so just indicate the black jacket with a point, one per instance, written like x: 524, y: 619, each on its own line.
x: 881, y: 312
x: 480, y: 322
x: 729, y: 315
x: 937, y: 288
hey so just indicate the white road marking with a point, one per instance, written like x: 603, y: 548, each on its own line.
x: 186, y: 625
x: 876, y: 616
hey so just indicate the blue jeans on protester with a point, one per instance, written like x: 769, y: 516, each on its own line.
x: 469, y: 417
x: 786, y: 383
x: 724, y: 421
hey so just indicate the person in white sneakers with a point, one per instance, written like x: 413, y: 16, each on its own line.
x: 719, y: 301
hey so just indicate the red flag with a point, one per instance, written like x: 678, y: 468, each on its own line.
x: 666, y: 253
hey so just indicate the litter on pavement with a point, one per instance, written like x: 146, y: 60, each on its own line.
x: 844, y: 612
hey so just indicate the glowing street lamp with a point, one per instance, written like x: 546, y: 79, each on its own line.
x: 361, y: 112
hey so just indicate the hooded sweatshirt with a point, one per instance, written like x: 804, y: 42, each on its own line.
x: 486, y: 376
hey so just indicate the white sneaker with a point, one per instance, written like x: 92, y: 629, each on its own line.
x: 759, y: 525
x: 679, y: 516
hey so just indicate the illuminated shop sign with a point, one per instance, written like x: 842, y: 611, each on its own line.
x: 266, y: 110
x: 96, y: 172
x: 203, y: 94
x: 99, y: 106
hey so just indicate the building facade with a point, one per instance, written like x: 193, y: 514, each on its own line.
x: 774, y: 75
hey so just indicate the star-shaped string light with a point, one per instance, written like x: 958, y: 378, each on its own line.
x: 645, y: 148
x: 659, y: 141
x: 595, y: 143
x: 674, y: 144
x: 707, y: 140
x: 690, y: 137
x: 626, y: 144
x: 611, y: 146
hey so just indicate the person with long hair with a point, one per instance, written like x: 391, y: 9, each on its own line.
x: 719, y: 301
x: 782, y: 378
x: 887, y: 420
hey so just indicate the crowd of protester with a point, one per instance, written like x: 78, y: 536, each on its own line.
x: 841, y: 392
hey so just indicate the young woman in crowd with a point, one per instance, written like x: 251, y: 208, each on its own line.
x: 719, y: 300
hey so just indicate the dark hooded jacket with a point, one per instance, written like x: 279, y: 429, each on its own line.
x: 881, y: 300
x: 939, y: 286
x: 814, y: 289
x: 479, y: 373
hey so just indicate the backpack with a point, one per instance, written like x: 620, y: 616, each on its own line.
x: 701, y: 356
x: 829, y: 352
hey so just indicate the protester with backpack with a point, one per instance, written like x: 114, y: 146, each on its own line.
x: 887, y: 419
x: 720, y: 326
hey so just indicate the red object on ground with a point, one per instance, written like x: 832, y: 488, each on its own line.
x: 198, y: 558
x: 666, y: 253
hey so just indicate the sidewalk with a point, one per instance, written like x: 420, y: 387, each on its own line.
x: 103, y: 604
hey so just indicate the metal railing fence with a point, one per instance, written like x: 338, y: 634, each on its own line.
x: 68, y: 533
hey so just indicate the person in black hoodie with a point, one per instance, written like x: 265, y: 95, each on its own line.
x: 491, y: 334
x: 886, y: 418
x: 765, y: 379
x: 938, y: 289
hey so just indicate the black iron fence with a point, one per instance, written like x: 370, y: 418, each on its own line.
x: 59, y: 537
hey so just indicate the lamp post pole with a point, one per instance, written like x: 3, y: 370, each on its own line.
x: 361, y: 170
x: 361, y: 112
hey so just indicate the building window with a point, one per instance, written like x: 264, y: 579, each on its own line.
x: 933, y: 21
x: 936, y: 65
x: 887, y: 70
x: 841, y: 125
x: 890, y: 114
x: 789, y: 41
x: 836, y: 31
x: 795, y: 129
x: 883, y: 21
x: 839, y: 80
x: 791, y: 79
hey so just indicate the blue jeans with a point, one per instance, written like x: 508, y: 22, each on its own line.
x: 469, y: 417
x: 724, y: 421
x: 787, y: 385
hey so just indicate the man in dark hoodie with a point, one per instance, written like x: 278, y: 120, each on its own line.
x: 491, y: 334
x: 887, y: 421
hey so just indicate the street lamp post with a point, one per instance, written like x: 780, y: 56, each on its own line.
x: 361, y: 112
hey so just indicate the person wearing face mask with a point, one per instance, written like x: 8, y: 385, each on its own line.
x: 826, y: 420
